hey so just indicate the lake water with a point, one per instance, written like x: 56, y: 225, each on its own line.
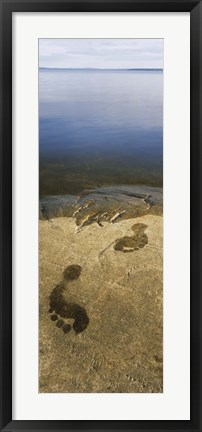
x: 99, y: 128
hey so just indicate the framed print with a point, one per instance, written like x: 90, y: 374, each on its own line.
x: 100, y: 215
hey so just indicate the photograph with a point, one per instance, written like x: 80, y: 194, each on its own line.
x: 100, y: 215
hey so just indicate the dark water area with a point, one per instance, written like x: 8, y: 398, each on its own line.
x: 99, y: 128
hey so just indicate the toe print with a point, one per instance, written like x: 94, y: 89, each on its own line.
x: 72, y: 272
x: 54, y: 317
x: 60, y: 323
x: 66, y: 328
x: 137, y: 241
x: 66, y: 310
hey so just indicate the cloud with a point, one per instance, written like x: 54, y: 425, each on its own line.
x: 101, y: 53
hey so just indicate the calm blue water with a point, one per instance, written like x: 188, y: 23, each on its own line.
x: 99, y: 127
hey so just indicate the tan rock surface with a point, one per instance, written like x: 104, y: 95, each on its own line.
x: 121, y: 291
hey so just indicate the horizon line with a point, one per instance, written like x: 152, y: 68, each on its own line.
x: 86, y: 68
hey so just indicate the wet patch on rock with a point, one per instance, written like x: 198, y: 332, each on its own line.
x: 72, y: 272
x: 66, y: 328
x: 60, y: 323
x: 137, y: 241
x: 63, y: 309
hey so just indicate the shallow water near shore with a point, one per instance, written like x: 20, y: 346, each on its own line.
x: 100, y: 127
x: 112, y: 203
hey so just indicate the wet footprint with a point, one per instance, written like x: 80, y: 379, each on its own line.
x: 133, y: 243
x: 63, y: 309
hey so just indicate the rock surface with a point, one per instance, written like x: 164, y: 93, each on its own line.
x: 101, y: 306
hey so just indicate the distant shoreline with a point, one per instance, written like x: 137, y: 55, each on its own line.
x: 103, y: 69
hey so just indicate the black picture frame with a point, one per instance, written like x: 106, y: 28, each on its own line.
x: 7, y: 7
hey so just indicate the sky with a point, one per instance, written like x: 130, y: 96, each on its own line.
x: 101, y: 53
